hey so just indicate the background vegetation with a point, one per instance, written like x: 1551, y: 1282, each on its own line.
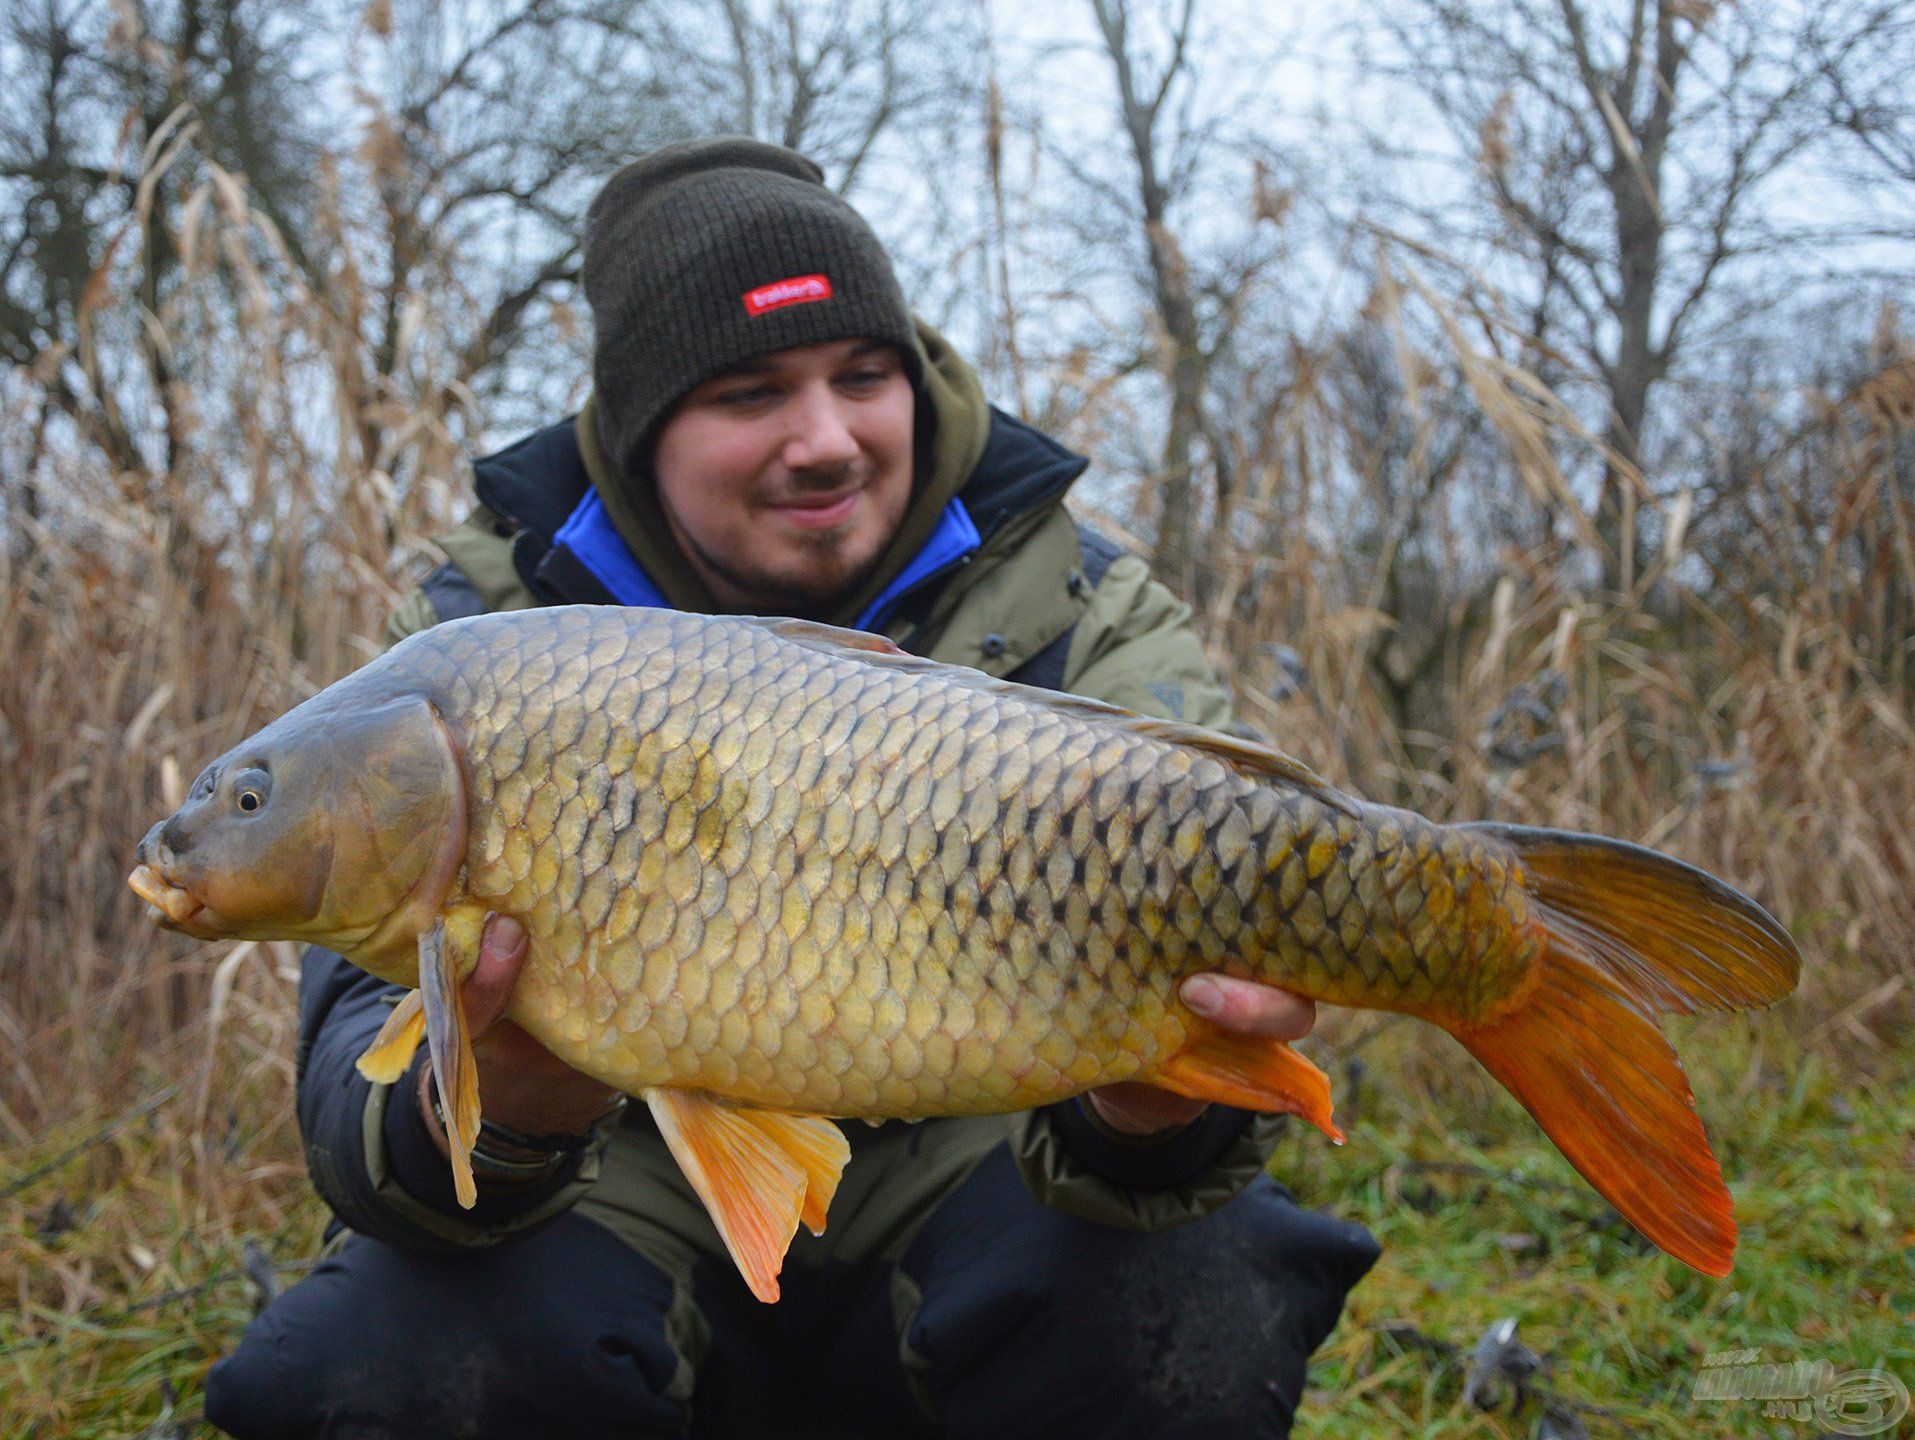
x: 1520, y: 392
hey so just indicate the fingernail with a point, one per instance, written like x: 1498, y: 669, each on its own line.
x: 1204, y: 996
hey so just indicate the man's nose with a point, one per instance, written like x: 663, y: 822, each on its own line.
x: 821, y: 432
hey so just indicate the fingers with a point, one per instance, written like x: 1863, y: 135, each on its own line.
x: 523, y: 1085
x: 489, y: 986
x: 1248, y: 1007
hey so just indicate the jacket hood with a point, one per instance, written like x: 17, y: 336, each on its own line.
x: 953, y: 424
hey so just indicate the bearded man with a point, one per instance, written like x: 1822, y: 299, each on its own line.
x: 771, y: 432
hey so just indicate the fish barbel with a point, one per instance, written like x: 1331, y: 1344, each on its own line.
x: 774, y: 872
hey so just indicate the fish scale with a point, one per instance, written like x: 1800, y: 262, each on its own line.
x: 733, y: 728
x: 773, y: 871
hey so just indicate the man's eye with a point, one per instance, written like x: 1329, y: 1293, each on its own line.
x: 867, y: 379
x: 743, y: 399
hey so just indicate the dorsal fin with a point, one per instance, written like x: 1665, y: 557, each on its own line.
x: 832, y: 639
x: 1247, y: 757
x: 869, y: 649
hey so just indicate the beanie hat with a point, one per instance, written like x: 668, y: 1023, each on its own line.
x: 707, y: 253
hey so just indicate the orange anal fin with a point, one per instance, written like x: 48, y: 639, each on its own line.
x: 758, y: 1173
x: 392, y: 1048
x: 1250, y: 1071
x: 452, y: 1064
x: 1607, y: 1087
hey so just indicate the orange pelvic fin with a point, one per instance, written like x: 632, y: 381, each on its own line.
x: 821, y: 1151
x: 392, y: 1048
x: 1629, y: 935
x: 759, y: 1173
x: 1250, y: 1071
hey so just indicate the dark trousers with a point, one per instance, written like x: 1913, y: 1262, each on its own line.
x: 1008, y: 1320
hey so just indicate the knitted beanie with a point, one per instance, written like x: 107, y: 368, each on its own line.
x: 707, y: 253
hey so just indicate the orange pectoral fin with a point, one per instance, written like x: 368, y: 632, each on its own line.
x: 392, y: 1048
x: 1251, y: 1071
x: 757, y: 1171
x: 453, y: 1066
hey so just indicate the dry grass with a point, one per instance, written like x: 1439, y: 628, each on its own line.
x: 150, y: 618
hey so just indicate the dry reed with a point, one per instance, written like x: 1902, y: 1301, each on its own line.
x: 149, y: 618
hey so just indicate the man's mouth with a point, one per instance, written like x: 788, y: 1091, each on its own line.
x: 819, y: 512
x: 177, y: 905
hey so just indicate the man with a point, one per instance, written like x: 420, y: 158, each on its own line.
x: 770, y: 432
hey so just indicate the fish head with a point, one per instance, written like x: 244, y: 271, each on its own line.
x: 335, y: 824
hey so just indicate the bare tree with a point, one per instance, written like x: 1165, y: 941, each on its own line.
x: 1196, y: 293
x: 486, y: 129
x: 94, y: 163
x: 1141, y: 101
x: 1863, y: 67
x: 1626, y: 150
x: 475, y: 168
x: 828, y: 78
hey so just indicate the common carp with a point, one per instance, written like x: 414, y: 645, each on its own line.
x: 775, y: 873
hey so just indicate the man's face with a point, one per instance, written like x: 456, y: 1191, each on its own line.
x: 784, y: 479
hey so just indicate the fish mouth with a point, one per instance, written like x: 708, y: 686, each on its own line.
x: 178, y: 907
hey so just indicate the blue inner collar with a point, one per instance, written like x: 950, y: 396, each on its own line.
x: 589, y: 534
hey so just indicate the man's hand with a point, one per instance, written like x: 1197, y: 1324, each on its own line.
x: 522, y: 1084
x: 1242, y: 1005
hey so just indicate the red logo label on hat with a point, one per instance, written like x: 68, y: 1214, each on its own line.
x: 798, y: 290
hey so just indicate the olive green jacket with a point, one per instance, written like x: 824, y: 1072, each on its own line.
x: 1034, y: 583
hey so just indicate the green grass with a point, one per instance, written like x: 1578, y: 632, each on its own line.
x: 1480, y: 1220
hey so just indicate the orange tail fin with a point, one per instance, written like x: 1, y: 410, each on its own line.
x: 1630, y: 935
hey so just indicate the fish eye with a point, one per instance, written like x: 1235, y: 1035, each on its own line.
x: 251, y: 789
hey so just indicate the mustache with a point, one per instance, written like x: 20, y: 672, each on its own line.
x: 823, y: 479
